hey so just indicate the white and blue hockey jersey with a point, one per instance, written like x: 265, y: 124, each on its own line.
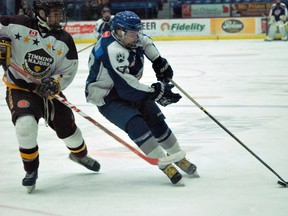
x: 52, y: 54
x: 102, y: 26
x: 278, y: 10
x: 115, y: 71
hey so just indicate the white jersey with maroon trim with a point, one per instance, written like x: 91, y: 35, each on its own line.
x: 40, y: 55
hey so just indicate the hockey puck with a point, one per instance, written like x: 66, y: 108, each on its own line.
x: 284, y: 184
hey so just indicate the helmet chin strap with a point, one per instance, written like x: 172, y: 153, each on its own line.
x: 118, y: 37
x: 42, y: 23
x: 106, y: 19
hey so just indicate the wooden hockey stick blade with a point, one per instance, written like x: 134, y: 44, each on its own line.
x: 171, y: 158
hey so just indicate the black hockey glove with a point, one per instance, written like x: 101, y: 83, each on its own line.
x: 163, y: 94
x: 5, y: 52
x: 162, y: 69
x: 48, y: 88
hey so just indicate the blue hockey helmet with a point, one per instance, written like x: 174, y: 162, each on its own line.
x: 126, y: 21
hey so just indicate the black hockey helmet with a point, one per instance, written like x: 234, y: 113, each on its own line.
x: 43, y: 9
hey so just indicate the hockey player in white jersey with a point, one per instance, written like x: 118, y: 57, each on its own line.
x: 40, y: 47
x: 115, y: 68
x: 103, y: 24
x: 277, y: 19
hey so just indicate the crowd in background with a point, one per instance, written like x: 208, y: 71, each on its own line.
x: 76, y: 9
x: 85, y: 9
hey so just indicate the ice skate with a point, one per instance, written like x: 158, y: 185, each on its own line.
x: 187, y: 167
x: 86, y: 161
x: 173, y: 174
x: 268, y: 39
x: 30, y: 181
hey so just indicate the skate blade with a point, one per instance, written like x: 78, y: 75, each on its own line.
x: 194, y: 175
x: 180, y: 183
x: 30, y: 189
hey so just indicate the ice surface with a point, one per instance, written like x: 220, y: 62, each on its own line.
x: 242, y: 83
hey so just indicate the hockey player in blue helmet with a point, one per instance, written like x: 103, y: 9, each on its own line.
x: 127, y: 28
x: 116, y: 66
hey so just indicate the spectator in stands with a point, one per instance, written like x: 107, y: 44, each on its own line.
x: 21, y: 11
x: 103, y: 24
x: 86, y: 11
x: 277, y: 19
x: 25, y: 9
x: 105, y: 3
x: 96, y: 10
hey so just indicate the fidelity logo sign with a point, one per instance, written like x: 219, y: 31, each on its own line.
x: 232, y: 26
x: 187, y: 27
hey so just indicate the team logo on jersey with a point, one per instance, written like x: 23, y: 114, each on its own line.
x: 106, y: 34
x: 277, y: 12
x: 23, y: 104
x: 38, y: 63
x: 33, y: 33
x: 120, y: 57
x: 122, y: 69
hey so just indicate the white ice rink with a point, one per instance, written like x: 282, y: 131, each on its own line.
x: 242, y: 83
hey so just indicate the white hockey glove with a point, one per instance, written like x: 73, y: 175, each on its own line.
x: 163, y: 94
x: 271, y: 20
x: 283, y: 18
x: 5, y: 52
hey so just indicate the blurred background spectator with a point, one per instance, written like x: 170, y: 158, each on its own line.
x: 85, y: 9
x: 25, y: 8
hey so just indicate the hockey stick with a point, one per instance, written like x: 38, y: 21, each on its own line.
x: 154, y: 161
x: 282, y: 182
x: 86, y: 47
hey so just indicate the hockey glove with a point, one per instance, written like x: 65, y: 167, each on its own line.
x: 5, y: 51
x: 283, y: 18
x: 163, y: 94
x: 271, y: 20
x: 48, y: 88
x: 162, y: 69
